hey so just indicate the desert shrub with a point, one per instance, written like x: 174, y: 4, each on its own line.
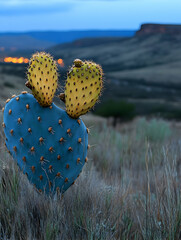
x: 154, y: 130
x: 117, y: 109
x: 9, y: 85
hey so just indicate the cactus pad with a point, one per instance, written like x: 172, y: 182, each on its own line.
x: 48, y: 145
x: 83, y: 87
x: 42, y: 78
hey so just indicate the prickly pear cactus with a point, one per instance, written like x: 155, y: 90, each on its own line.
x: 42, y: 78
x: 83, y: 87
x: 50, y: 144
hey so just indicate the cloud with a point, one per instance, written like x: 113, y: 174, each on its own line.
x: 25, y: 7
x: 29, y: 7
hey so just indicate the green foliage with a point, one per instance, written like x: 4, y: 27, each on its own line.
x: 112, y: 108
x: 9, y: 85
x: 153, y: 130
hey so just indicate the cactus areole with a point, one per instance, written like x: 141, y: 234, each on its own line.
x: 49, y: 145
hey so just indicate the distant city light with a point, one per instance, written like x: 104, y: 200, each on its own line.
x: 21, y: 60
x: 16, y: 60
x: 60, y: 62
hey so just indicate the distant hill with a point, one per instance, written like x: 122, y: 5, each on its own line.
x: 150, y: 29
x: 43, y: 40
x: 127, y: 54
x: 22, y: 42
x: 144, y: 70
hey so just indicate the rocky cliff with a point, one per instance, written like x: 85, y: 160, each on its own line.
x: 148, y: 29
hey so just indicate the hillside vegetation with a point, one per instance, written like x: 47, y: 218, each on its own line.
x: 129, y: 189
x: 143, y: 70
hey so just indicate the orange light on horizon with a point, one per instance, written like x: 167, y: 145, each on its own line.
x: 16, y: 60
x: 21, y: 60
x: 60, y: 62
x: 26, y: 60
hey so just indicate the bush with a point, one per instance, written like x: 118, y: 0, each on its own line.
x: 154, y: 130
x: 117, y: 109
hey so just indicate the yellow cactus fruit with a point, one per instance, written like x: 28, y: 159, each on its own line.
x: 83, y: 87
x: 42, y: 78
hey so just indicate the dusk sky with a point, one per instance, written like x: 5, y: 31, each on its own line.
x: 26, y: 15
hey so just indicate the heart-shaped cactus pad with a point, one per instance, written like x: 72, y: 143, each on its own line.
x: 48, y: 145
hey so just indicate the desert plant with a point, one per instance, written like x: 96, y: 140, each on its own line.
x: 50, y: 147
x: 118, y: 109
x: 154, y: 130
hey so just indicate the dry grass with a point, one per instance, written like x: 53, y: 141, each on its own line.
x: 130, y: 189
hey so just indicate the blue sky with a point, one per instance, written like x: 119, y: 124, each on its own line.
x: 26, y: 15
